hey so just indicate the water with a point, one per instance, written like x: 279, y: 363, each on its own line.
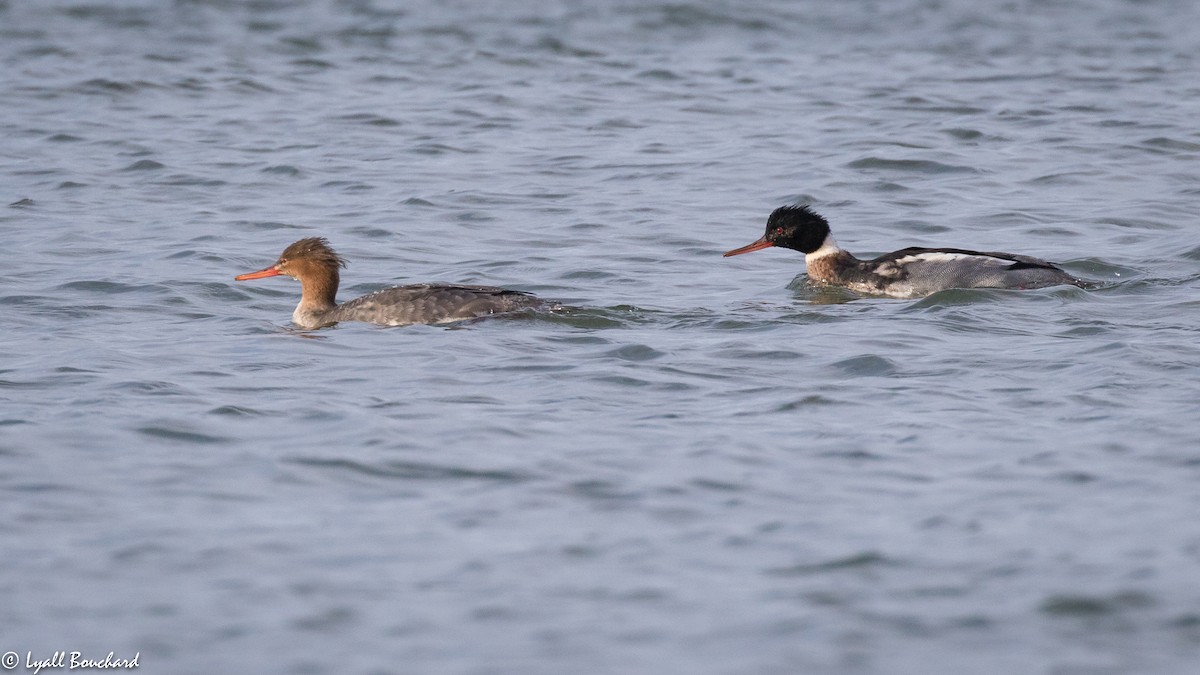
x: 711, y: 467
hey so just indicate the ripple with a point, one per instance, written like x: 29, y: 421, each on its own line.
x: 435, y: 149
x: 806, y: 402
x: 635, y: 353
x: 867, y: 365
x: 111, y: 287
x: 586, y: 274
x: 249, y: 85
x: 315, y: 64
x: 282, y: 170
x: 1070, y: 605
x: 236, y: 411
x: 326, y: 621
x: 150, y: 388
x: 659, y: 74
x: 858, y: 561
x: 773, y: 355
x: 1163, y: 143
x: 922, y: 166
x: 602, y: 490
x: 1138, y: 223
x: 556, y: 45
x: 593, y: 319
x: 413, y: 470
x: 371, y: 119
x: 964, y: 134
x: 145, y: 165
x: 957, y: 297
x: 106, y: 86
x: 181, y: 435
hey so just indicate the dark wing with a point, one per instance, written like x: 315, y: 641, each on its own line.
x: 933, y: 269
x: 1018, y: 261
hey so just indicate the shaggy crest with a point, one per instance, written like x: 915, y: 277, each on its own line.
x: 794, y: 215
x: 316, y: 249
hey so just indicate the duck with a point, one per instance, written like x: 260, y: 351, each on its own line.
x: 912, y: 272
x: 315, y: 264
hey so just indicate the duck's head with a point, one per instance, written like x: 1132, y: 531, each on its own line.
x: 306, y: 258
x: 796, y: 227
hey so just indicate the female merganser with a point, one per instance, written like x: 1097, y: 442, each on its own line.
x: 907, y: 273
x: 315, y: 264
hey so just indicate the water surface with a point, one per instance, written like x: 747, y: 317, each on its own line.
x: 712, y: 466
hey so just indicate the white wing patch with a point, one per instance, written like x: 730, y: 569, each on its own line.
x: 943, y: 257
x: 892, y: 269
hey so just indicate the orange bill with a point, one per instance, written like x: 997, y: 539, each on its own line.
x: 271, y: 271
x: 749, y: 248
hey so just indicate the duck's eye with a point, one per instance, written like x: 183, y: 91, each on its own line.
x: 779, y: 232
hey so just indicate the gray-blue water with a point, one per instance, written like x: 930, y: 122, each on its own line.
x: 712, y: 467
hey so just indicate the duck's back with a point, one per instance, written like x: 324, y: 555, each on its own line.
x: 431, y: 303
x: 922, y: 271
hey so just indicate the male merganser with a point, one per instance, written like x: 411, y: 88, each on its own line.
x: 315, y: 264
x: 908, y: 273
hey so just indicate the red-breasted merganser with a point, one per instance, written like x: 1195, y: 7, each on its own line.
x: 315, y: 264
x: 907, y: 273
